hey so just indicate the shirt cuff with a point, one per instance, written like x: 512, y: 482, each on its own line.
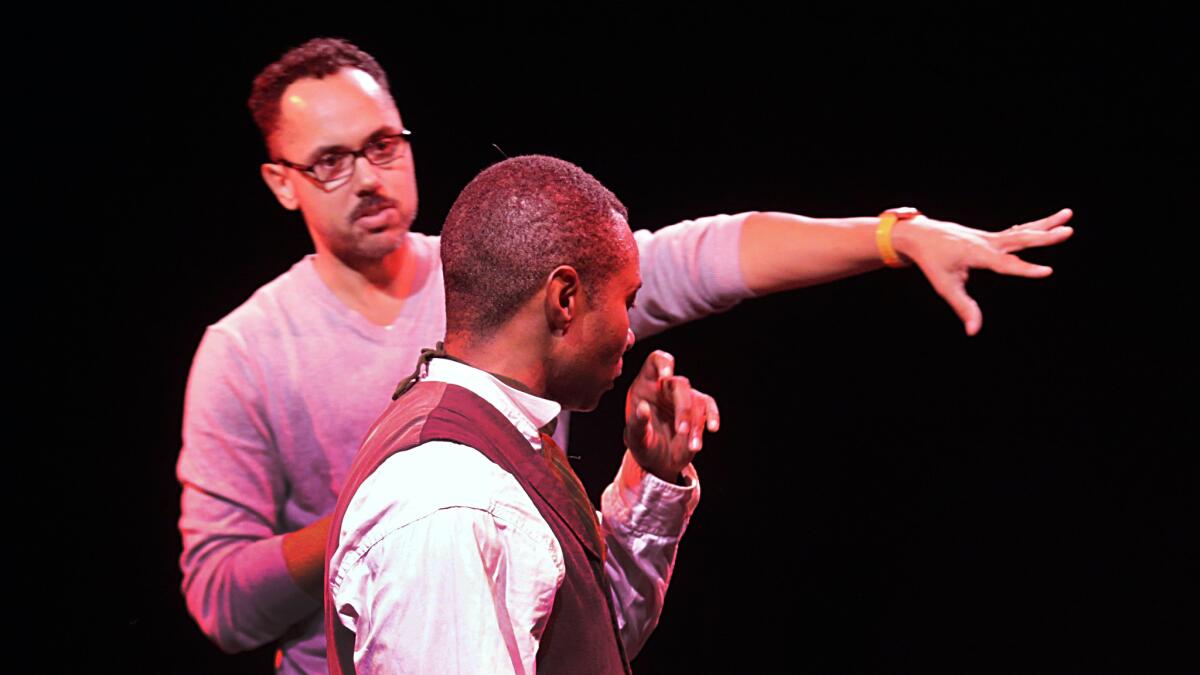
x: 643, y: 502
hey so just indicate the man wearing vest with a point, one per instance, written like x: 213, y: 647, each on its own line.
x: 282, y: 389
x: 463, y: 542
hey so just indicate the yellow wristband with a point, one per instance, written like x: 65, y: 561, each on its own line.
x: 883, y: 233
x: 883, y: 240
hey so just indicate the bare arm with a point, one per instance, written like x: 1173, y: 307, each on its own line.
x: 304, y: 554
x: 780, y: 251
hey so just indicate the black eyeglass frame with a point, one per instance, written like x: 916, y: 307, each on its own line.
x: 405, y: 135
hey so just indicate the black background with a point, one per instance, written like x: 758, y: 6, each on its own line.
x: 886, y: 494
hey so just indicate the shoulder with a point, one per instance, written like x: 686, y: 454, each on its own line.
x: 437, y: 475
x: 287, y: 293
x: 440, y: 485
x: 718, y: 223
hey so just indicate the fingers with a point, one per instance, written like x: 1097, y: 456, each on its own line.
x: 640, y: 426
x: 1048, y: 223
x: 712, y: 413
x: 694, y: 411
x: 952, y: 285
x: 1007, y: 263
x: 952, y: 288
x: 1045, y: 232
x: 704, y: 416
x: 1015, y: 240
x: 662, y: 409
x: 677, y: 392
x: 947, y: 260
x: 658, y: 365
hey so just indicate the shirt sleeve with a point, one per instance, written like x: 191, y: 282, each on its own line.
x: 643, y: 519
x: 689, y: 270
x: 458, y: 577
x: 235, y: 580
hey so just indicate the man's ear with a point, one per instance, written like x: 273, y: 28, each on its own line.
x: 281, y: 185
x: 562, y: 300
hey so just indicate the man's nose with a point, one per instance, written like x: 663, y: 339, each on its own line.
x: 629, y: 338
x: 365, y: 175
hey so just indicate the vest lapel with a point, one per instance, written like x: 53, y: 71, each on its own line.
x: 533, y: 467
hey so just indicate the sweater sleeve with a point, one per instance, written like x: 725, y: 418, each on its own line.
x: 235, y: 580
x: 689, y: 270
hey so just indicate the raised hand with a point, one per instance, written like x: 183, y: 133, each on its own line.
x: 665, y: 418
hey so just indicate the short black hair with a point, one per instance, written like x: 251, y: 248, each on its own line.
x: 512, y: 225
x: 318, y: 58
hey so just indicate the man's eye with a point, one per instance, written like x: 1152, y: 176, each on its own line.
x: 329, y: 161
x: 383, y: 144
x: 382, y: 148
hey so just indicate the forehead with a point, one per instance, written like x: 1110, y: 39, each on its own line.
x: 344, y: 109
x: 629, y: 275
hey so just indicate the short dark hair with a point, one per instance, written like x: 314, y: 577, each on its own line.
x: 512, y: 225
x: 318, y: 58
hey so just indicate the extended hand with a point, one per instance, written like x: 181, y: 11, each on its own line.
x: 947, y: 252
x: 665, y: 418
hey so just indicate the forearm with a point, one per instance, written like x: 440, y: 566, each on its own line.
x: 304, y: 555
x: 643, y: 519
x: 238, y: 587
x: 781, y: 251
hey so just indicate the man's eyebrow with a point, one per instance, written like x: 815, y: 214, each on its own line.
x: 324, y: 150
x: 338, y: 147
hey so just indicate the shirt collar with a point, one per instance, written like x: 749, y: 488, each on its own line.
x: 526, y: 412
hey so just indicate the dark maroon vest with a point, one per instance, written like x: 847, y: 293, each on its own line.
x: 581, y: 635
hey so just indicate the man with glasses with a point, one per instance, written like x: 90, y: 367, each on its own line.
x: 282, y: 389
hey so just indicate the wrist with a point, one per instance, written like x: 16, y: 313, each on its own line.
x: 894, y: 235
x: 665, y: 474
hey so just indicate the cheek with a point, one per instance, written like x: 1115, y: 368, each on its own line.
x: 328, y: 210
x: 621, y: 333
x: 403, y: 183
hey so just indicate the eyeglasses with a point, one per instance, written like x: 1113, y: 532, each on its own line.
x: 334, y: 168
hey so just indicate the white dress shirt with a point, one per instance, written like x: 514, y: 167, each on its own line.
x: 444, y: 564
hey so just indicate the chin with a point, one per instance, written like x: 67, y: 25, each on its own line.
x: 583, y: 407
x: 382, y: 244
x: 591, y: 403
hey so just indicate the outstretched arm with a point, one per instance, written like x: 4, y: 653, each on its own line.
x: 780, y: 251
x: 699, y: 267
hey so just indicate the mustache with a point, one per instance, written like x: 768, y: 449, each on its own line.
x: 370, y: 205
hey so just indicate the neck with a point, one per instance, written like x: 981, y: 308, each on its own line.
x: 375, y: 288
x: 505, y: 355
